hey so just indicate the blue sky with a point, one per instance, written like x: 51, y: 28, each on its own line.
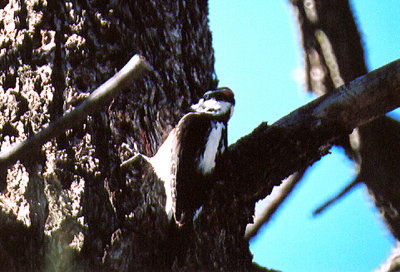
x: 258, y: 56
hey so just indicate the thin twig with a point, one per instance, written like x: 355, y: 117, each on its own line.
x: 342, y: 193
x: 102, y: 95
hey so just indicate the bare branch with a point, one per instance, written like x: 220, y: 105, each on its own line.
x: 342, y: 193
x: 273, y: 204
x: 102, y: 95
x: 356, y: 103
x: 302, y: 137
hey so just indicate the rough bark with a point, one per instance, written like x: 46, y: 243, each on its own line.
x: 54, y: 53
x: 70, y: 206
x: 95, y: 101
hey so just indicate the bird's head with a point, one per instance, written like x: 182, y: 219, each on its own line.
x: 218, y: 103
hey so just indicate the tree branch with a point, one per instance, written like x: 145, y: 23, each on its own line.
x: 274, y: 201
x: 102, y: 95
x: 302, y: 137
x: 342, y: 193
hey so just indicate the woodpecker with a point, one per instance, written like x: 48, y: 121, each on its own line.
x: 187, y: 159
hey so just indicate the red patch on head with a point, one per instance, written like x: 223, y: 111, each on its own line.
x: 227, y: 93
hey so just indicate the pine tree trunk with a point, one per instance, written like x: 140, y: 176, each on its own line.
x: 69, y: 206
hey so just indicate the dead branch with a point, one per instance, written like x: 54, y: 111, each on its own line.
x: 332, y: 200
x: 302, y: 137
x: 103, y: 94
x: 274, y: 201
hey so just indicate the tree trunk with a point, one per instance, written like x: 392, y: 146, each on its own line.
x: 70, y: 206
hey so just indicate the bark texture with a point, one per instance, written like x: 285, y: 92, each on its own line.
x: 70, y: 206
x: 69, y: 202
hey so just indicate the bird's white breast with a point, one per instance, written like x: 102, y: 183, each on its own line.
x: 207, y: 159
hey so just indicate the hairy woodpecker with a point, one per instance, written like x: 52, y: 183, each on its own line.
x: 187, y: 160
